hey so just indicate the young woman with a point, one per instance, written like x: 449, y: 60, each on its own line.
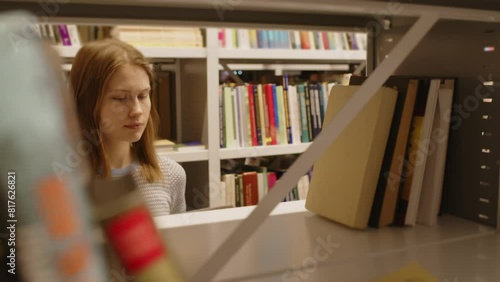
x: 112, y: 83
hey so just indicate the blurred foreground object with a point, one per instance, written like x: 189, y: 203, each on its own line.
x: 40, y: 145
x: 411, y: 272
x: 130, y: 231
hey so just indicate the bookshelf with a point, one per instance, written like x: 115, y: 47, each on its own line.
x: 197, y: 64
x: 436, y: 55
x: 341, y: 15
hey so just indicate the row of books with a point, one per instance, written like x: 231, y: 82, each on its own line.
x: 389, y: 163
x: 290, y: 39
x: 270, y: 114
x: 157, y: 36
x: 185, y: 37
x: 422, y: 176
x: 139, y: 36
x: 247, y: 185
x: 59, y: 34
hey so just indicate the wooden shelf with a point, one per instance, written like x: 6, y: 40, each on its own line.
x: 149, y: 52
x: 260, y: 151
x: 295, y: 55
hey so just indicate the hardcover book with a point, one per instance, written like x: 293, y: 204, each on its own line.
x: 345, y: 177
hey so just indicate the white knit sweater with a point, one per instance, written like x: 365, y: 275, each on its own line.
x: 166, y: 196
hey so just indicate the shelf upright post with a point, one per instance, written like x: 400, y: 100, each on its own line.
x: 178, y: 102
x: 213, y: 116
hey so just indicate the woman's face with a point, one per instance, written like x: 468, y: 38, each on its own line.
x: 126, y: 104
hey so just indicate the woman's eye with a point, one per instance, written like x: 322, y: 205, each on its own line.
x: 142, y: 97
x: 119, y: 99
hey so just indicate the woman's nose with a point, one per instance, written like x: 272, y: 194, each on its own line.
x: 135, y: 108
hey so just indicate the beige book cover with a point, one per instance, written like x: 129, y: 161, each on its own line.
x: 432, y: 184
x: 344, y: 179
x: 421, y: 151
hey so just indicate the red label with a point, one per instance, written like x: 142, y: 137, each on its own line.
x: 135, y: 239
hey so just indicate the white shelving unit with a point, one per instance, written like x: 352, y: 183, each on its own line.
x: 279, y: 58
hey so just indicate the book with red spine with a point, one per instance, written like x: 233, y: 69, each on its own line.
x: 251, y: 105
x: 326, y: 44
x: 250, y: 188
x: 271, y: 180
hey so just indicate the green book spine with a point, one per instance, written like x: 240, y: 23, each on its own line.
x: 304, y: 131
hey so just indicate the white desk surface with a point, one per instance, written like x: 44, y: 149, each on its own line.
x: 455, y: 250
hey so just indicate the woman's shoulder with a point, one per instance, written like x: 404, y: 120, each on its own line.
x: 170, y: 168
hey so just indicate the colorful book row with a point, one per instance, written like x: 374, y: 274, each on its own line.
x: 250, y: 186
x: 288, y: 39
x: 269, y: 114
x: 59, y: 34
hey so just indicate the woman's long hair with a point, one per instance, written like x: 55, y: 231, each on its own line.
x: 92, y: 68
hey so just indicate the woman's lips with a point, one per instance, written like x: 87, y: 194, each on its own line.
x: 134, y: 126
